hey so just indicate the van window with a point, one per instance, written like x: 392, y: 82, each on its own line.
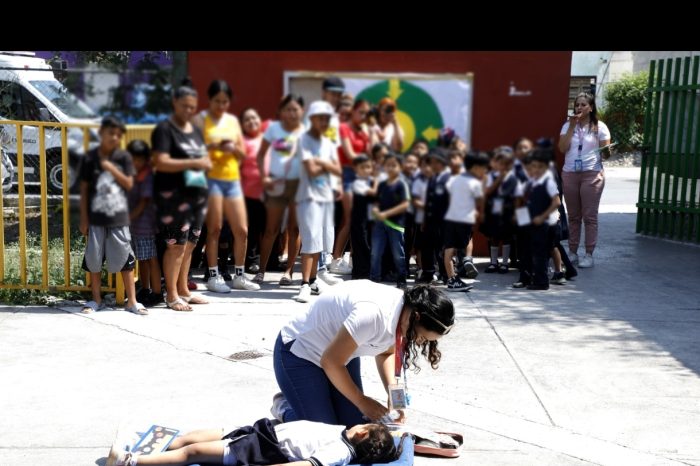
x: 10, y: 101
x: 63, y: 99
x: 17, y: 103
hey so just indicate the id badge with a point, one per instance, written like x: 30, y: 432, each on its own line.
x: 497, y: 208
x: 578, y: 165
x: 397, y: 396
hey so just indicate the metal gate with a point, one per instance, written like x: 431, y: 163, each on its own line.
x: 669, y: 204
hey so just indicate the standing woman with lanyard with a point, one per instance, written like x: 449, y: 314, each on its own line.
x: 582, y: 175
x: 316, y: 355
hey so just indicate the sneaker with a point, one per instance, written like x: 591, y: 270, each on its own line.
x: 217, y: 285
x: 341, y: 267
x: 573, y: 257
x: 470, y: 269
x: 492, y: 268
x: 503, y: 268
x: 315, y: 289
x: 519, y: 285
x: 280, y: 406
x: 586, y: 261
x: 254, y: 268
x: 240, y: 282
x: 558, y: 278
x: 259, y: 278
x: 304, y: 294
x: 328, y: 278
x: 569, y: 274
x: 456, y: 284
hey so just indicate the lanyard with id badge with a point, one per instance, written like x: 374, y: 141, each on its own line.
x: 398, y: 392
x: 578, y: 163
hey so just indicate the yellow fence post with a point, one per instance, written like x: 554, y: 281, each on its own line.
x: 44, y: 209
x: 66, y: 207
x: 20, y: 189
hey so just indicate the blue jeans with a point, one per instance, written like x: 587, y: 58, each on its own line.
x: 309, y: 392
x: 381, y: 235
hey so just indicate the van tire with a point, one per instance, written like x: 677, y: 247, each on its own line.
x: 54, y: 172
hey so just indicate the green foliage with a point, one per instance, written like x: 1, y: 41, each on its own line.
x: 624, y: 110
x: 34, y: 271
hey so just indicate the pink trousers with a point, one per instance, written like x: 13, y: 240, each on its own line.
x: 582, y: 191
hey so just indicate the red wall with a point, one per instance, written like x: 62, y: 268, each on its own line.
x: 497, y: 118
x: 257, y: 80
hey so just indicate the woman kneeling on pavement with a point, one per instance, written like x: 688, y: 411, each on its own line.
x: 316, y: 355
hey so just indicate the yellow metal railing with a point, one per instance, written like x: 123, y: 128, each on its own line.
x: 113, y: 285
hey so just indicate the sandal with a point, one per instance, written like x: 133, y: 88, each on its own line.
x: 286, y: 280
x: 92, y: 306
x: 138, y: 308
x: 259, y: 278
x: 194, y: 299
x: 179, y: 305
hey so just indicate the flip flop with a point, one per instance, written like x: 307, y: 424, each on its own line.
x: 194, y: 299
x: 183, y: 306
x: 138, y: 308
x: 92, y: 306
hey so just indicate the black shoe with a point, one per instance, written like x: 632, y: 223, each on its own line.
x: 537, y: 287
x: 143, y: 294
x: 558, y: 278
x: 254, y: 268
x: 455, y: 284
x: 492, y: 268
x: 502, y: 268
x: 569, y: 274
x: 401, y: 285
x: 153, y: 299
x: 470, y: 269
x: 227, y: 277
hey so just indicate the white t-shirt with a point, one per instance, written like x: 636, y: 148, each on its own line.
x: 368, y: 310
x: 301, y: 440
x: 464, y: 190
x: 283, y: 163
x: 589, y: 141
x: 316, y: 188
x: 419, y: 190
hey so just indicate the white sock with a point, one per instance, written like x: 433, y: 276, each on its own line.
x: 238, y: 270
x: 494, y: 254
x: 213, y: 271
x: 506, y: 253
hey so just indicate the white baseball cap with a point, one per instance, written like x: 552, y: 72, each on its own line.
x: 320, y: 107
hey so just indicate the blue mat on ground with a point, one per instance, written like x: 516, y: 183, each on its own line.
x: 406, y: 458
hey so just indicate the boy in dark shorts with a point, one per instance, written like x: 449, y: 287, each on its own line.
x: 466, y: 206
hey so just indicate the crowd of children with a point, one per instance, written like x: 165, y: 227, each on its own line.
x: 424, y: 204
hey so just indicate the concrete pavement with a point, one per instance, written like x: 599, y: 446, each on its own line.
x: 602, y: 370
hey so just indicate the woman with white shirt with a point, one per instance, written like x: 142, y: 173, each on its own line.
x: 582, y: 175
x: 316, y: 355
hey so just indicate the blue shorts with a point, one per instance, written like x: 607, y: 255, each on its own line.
x: 348, y: 178
x: 227, y: 189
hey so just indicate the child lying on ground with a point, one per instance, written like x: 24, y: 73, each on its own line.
x: 301, y: 443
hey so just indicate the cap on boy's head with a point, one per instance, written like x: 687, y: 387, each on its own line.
x: 320, y: 107
x: 333, y: 84
x: 437, y: 154
x: 112, y: 122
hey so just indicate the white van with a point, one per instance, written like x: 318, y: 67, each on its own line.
x: 30, y: 92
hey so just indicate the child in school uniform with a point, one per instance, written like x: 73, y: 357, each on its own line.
x: 501, y: 184
x: 465, y: 207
